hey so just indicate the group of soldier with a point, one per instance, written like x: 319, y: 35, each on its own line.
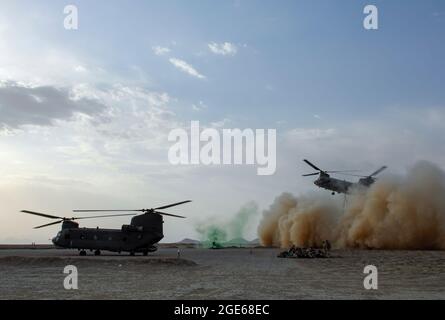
x: 309, y: 252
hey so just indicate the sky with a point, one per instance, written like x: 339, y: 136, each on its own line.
x: 85, y: 114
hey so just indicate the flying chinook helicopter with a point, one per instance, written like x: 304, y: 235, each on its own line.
x: 140, y: 236
x: 340, y: 186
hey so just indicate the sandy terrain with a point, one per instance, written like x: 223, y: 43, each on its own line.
x: 221, y: 274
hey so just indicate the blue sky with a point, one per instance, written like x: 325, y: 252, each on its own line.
x: 313, y: 56
x: 309, y: 52
x: 336, y: 92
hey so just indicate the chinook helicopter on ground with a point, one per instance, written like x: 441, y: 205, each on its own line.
x: 325, y: 181
x: 140, y: 236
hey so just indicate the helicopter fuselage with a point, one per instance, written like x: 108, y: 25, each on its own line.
x: 341, y: 186
x: 332, y: 184
x: 141, y: 235
x: 325, y: 181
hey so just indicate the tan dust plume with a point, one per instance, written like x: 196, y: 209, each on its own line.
x: 394, y: 213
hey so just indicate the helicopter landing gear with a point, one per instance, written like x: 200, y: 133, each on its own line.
x: 132, y: 253
x: 97, y: 253
x: 82, y: 253
x: 145, y: 253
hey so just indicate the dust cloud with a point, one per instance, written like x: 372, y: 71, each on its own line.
x: 406, y: 212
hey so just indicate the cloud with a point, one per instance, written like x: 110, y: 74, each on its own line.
x: 220, y: 124
x: 127, y: 141
x: 185, y: 67
x: 160, y: 51
x: 23, y: 105
x: 80, y: 68
x: 311, y: 133
x: 199, y: 107
x: 225, y: 49
x: 130, y: 134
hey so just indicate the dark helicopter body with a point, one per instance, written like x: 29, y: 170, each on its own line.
x: 335, y: 185
x: 325, y: 181
x: 140, y: 236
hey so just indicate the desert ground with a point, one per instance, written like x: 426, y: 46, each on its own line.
x: 237, y: 273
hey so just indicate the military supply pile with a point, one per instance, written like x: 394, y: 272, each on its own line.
x: 216, y: 245
x: 310, y: 252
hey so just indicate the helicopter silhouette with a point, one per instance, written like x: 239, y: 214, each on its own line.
x: 140, y: 236
x: 325, y: 181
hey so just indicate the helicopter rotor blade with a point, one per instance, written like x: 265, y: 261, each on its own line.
x: 312, y: 165
x: 311, y: 174
x: 132, y: 210
x: 169, y: 214
x: 172, y: 205
x: 353, y: 175
x: 105, y: 216
x: 137, y: 210
x: 48, y: 224
x: 378, y: 171
x: 41, y: 214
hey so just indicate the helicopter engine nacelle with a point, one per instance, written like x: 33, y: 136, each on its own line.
x: 131, y: 228
x: 68, y: 224
x: 367, y: 181
x: 150, y: 222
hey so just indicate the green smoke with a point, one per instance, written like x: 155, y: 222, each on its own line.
x: 212, y: 236
x: 216, y: 234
